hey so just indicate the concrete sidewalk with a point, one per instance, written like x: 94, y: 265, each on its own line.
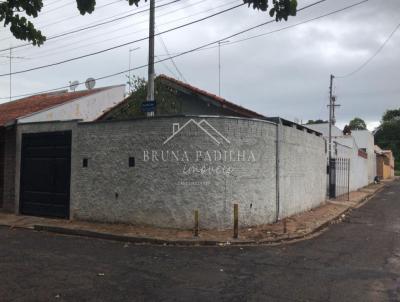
x: 293, y: 228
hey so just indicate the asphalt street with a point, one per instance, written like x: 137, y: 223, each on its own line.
x: 355, y: 260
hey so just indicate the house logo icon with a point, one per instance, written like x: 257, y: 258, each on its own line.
x: 204, y: 126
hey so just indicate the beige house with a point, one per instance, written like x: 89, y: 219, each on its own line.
x: 384, y: 163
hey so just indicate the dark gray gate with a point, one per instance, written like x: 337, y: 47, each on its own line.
x: 45, y: 174
x: 339, y: 180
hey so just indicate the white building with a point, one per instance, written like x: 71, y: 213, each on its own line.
x: 358, y: 147
x: 365, y: 141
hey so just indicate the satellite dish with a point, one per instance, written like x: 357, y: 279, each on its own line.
x: 90, y: 83
x: 73, y: 85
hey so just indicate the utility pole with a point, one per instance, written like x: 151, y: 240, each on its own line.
x: 10, y: 72
x: 150, y: 84
x: 219, y: 65
x: 332, y: 120
x: 334, y: 105
x: 331, y: 175
x: 129, y: 72
x: 330, y: 116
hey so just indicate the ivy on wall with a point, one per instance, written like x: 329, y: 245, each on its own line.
x: 168, y: 100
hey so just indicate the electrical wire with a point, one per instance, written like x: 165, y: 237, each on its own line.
x: 50, y: 52
x: 172, y: 60
x: 373, y: 56
x: 124, y: 44
x: 76, y: 15
x: 167, y: 68
x: 64, y: 50
x: 97, y: 8
x: 89, y: 27
x: 58, y: 7
x: 289, y: 26
x: 174, y: 56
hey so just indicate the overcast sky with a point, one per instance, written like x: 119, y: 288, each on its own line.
x: 281, y: 74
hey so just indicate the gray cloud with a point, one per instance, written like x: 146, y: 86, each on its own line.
x: 285, y: 73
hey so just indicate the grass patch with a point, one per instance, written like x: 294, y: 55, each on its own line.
x: 397, y: 172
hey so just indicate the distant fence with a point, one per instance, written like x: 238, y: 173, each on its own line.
x: 339, y: 186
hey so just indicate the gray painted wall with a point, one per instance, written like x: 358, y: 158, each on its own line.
x: 159, y: 193
x: 164, y: 191
x: 302, y: 171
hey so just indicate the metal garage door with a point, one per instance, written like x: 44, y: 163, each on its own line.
x: 45, y: 174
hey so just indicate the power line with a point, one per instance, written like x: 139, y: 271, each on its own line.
x: 97, y: 8
x: 52, y: 3
x: 167, y: 67
x: 67, y: 18
x: 89, y: 27
x: 175, y: 56
x: 50, y: 52
x: 172, y: 60
x: 124, y: 44
x: 373, y: 56
x: 297, y: 24
x: 107, y: 22
x: 58, y: 7
x: 277, y: 30
x: 79, y: 15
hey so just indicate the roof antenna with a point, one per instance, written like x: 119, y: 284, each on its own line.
x: 90, y: 83
x: 73, y: 85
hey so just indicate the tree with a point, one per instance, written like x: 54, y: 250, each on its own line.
x: 312, y: 122
x: 168, y: 101
x: 391, y: 115
x: 387, y: 135
x: 23, y: 29
x: 357, y: 124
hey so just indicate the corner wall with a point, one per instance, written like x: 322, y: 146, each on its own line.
x: 175, y: 173
x: 166, y: 186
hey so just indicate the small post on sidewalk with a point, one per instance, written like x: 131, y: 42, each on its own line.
x: 235, y: 221
x: 348, y: 179
x: 284, y: 226
x: 196, y: 223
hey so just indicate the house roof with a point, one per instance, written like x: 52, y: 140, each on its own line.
x: 11, y: 111
x: 223, y: 102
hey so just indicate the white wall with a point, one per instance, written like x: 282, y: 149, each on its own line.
x: 347, y: 148
x: 86, y: 108
x: 365, y: 139
x: 362, y: 171
x: 324, y: 129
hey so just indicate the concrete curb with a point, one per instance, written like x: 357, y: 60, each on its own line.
x: 199, y: 242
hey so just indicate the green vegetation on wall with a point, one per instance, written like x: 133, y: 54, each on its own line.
x: 168, y: 101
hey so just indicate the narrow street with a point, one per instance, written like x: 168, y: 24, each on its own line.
x: 356, y: 260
